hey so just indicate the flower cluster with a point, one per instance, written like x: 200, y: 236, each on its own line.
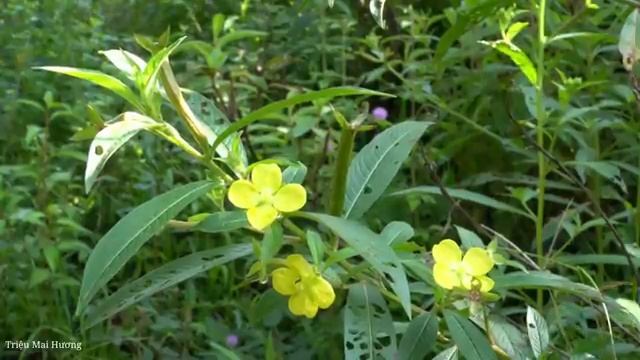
x: 452, y: 270
x: 307, y: 290
x: 265, y: 197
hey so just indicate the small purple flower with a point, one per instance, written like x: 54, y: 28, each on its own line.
x: 232, y: 340
x: 380, y: 113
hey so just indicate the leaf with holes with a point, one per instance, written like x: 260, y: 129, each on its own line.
x: 373, y: 248
x: 164, y: 277
x: 538, y: 332
x: 223, y: 221
x: 110, y: 139
x: 419, y: 337
x: 212, y: 122
x: 471, y: 342
x: 368, y: 326
x: 374, y: 167
x: 128, y: 235
x: 509, y: 338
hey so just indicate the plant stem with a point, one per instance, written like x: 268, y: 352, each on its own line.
x: 541, y: 118
x: 339, y: 184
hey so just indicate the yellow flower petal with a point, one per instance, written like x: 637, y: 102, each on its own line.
x: 487, y: 283
x: 446, y: 252
x: 267, y: 178
x: 322, y: 292
x: 484, y: 283
x: 243, y: 194
x: 284, y: 281
x: 298, y: 263
x: 477, y: 262
x: 261, y: 216
x: 290, y: 197
x: 445, y: 277
x: 300, y: 304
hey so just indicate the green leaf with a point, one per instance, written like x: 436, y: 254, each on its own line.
x: 163, y: 277
x: 419, y: 337
x: 541, y: 280
x: 110, y: 139
x: 509, y: 338
x: 468, y: 238
x: 238, y: 35
x: 518, y: 57
x: 376, y: 7
x: 129, y: 63
x: 212, y: 121
x: 538, y: 332
x: 463, y: 194
x: 316, y: 246
x: 217, y: 25
x: 271, y: 243
x: 397, y: 232
x: 471, y: 342
x: 515, y: 29
x: 373, y: 249
x: 223, y: 221
x: 629, y: 43
x: 151, y: 71
x: 448, y: 354
x: 295, y: 173
x: 373, y: 168
x: 128, y: 235
x: 368, y: 326
x: 631, y: 311
x: 100, y: 79
x: 266, y: 110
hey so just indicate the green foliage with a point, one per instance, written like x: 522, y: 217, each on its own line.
x: 530, y: 155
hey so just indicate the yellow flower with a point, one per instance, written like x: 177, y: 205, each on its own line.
x: 265, y: 197
x: 453, y: 270
x: 307, y: 289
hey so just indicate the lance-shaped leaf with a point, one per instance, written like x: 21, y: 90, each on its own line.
x: 368, y: 326
x: 151, y: 71
x: 374, y: 249
x: 419, y: 338
x: 518, y: 57
x: 129, y: 63
x: 471, y: 342
x: 211, y: 121
x: 538, y: 332
x: 164, y: 277
x: 98, y: 78
x: 266, y: 110
x: 629, y: 43
x: 110, y: 139
x: 127, y: 236
x: 373, y: 168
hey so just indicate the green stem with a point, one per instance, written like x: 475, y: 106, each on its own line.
x: 541, y: 117
x: 637, y: 217
x: 339, y: 184
x: 596, y: 186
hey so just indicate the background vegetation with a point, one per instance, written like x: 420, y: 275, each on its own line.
x: 545, y: 165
